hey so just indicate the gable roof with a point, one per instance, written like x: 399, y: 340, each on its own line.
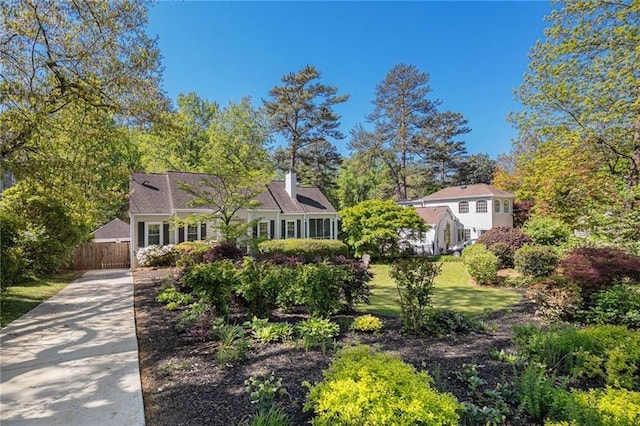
x: 162, y: 193
x: 431, y: 215
x: 113, y: 230
x: 467, y: 191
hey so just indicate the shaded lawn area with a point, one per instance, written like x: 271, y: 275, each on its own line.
x: 452, y: 291
x: 19, y: 299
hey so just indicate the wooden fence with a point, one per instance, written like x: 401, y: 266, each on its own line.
x: 102, y: 256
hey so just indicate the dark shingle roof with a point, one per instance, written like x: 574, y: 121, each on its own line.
x: 162, y: 193
x: 114, y: 229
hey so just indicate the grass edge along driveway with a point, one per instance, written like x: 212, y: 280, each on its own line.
x: 452, y: 291
x: 19, y: 299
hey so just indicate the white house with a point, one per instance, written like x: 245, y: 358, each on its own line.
x: 476, y: 209
x: 286, y: 210
x: 442, y: 233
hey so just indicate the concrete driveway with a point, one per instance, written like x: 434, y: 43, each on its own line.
x: 73, y: 360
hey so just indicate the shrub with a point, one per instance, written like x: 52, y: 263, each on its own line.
x: 274, y: 416
x: 12, y: 262
x: 190, y: 252
x: 213, y: 282
x: 511, y: 239
x: 173, y: 299
x: 596, y: 407
x: 557, y: 298
x: 414, y: 278
x: 547, y: 231
x: 536, y: 261
x: 321, y: 288
x: 264, y: 392
x: 156, y: 256
x: 354, y: 284
x: 260, y: 283
x: 609, y: 354
x: 536, y: 392
x: 481, y: 264
x: 367, y: 323
x: 363, y: 387
x: 317, y: 333
x: 440, y: 323
x: 222, y: 251
x: 595, y: 269
x: 305, y: 249
x: 618, y: 305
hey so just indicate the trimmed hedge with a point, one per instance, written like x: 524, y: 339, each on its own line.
x: 481, y: 264
x: 305, y: 249
x: 536, y: 261
x: 365, y: 387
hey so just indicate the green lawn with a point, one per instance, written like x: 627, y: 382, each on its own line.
x: 19, y: 299
x: 452, y: 291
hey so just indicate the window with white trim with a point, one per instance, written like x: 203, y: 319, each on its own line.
x: 506, y: 206
x: 263, y: 229
x: 496, y: 206
x: 481, y: 206
x: 463, y: 207
x: 192, y: 232
x: 154, y: 234
x: 291, y: 229
x: 320, y: 228
x: 467, y: 234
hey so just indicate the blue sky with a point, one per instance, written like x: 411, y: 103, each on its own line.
x: 474, y: 52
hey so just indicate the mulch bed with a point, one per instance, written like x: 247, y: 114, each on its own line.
x: 184, y: 385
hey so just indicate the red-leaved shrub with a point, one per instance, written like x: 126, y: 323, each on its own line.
x: 595, y: 269
x: 503, y: 242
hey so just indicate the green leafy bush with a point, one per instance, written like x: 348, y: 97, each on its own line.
x: 536, y: 261
x: 190, y: 252
x: 618, y: 305
x: 260, y: 284
x: 414, y: 278
x: 173, y: 299
x: 536, y: 392
x: 268, y: 332
x: 321, y: 288
x: 316, y: 333
x: 12, y: 262
x: 363, y: 387
x: 264, y: 392
x: 609, y: 354
x: 596, y: 407
x: 354, y: 282
x: 213, y: 282
x: 441, y: 323
x: 305, y: 249
x: 367, y: 323
x: 557, y: 298
x: 547, y: 231
x: 481, y: 264
x: 503, y: 242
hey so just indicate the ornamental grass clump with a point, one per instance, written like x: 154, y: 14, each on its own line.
x: 365, y: 387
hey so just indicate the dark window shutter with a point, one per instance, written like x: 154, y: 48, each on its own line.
x: 255, y: 231
x: 181, y: 234
x: 165, y: 233
x: 283, y: 229
x: 272, y: 229
x: 299, y: 225
x: 140, y: 234
x: 203, y: 231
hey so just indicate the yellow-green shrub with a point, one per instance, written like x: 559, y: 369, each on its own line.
x: 481, y: 264
x: 367, y: 323
x: 364, y: 387
x: 597, y: 407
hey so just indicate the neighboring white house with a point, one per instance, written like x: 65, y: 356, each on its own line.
x: 286, y: 211
x: 476, y: 209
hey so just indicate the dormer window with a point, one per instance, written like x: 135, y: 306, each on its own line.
x: 496, y: 206
x: 481, y: 206
x: 463, y: 207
